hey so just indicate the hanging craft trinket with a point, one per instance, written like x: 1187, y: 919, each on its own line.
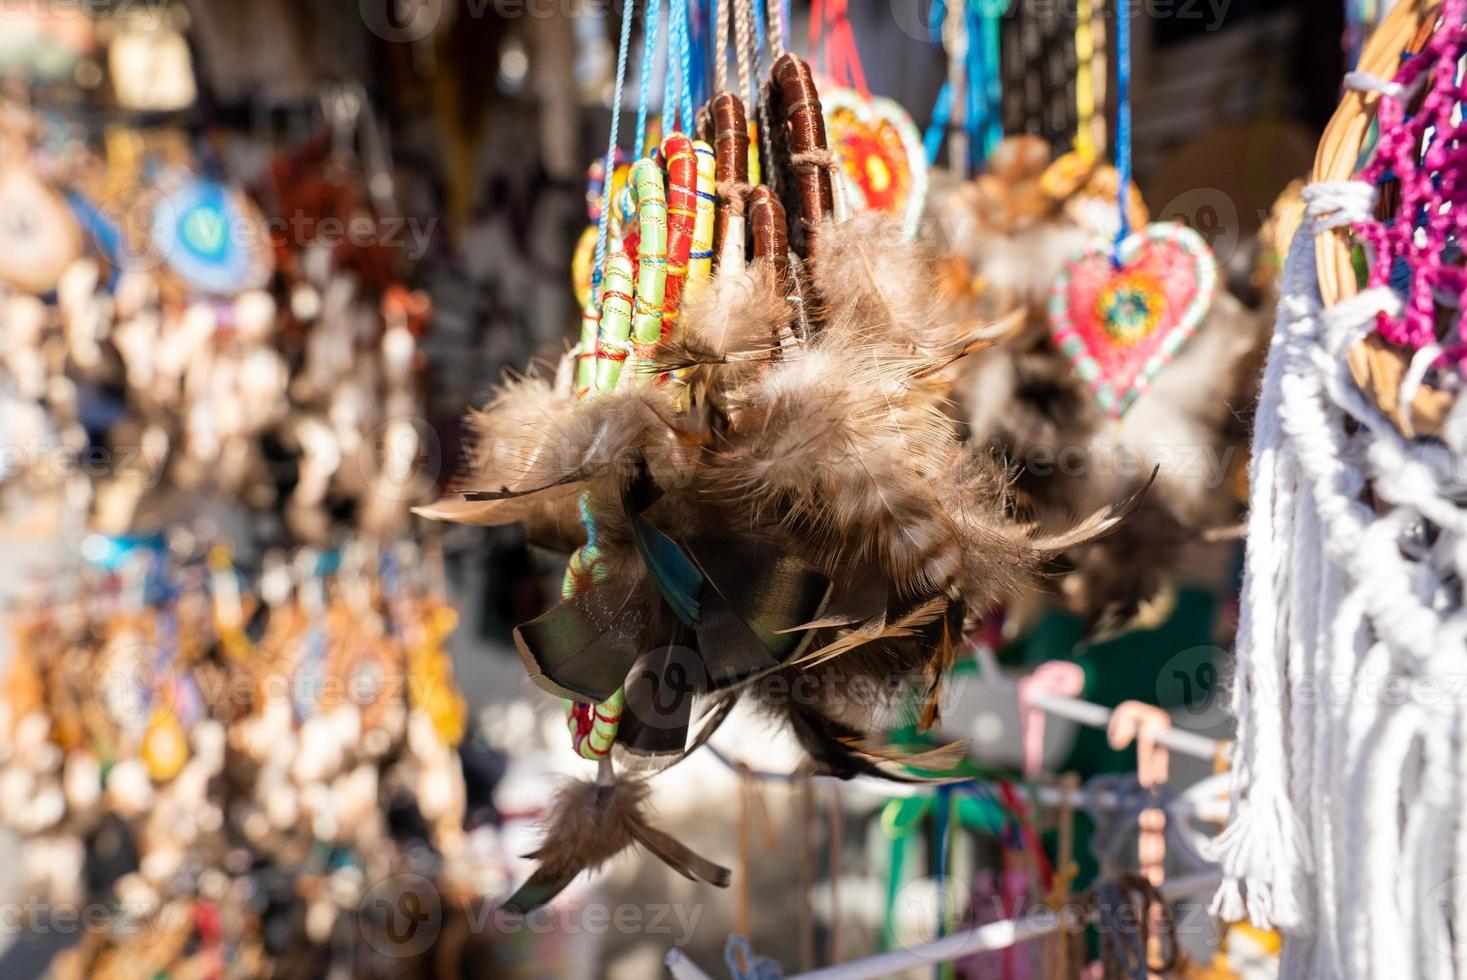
x: 1123, y: 309
x: 770, y: 490
x: 1121, y: 313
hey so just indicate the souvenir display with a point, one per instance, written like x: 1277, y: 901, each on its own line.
x: 864, y: 489
x: 326, y: 693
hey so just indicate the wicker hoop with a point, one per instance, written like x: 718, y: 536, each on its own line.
x: 1378, y: 366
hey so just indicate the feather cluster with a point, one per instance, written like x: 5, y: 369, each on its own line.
x: 776, y: 503
x: 834, y: 520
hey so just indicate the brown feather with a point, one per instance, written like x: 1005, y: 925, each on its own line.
x: 589, y: 823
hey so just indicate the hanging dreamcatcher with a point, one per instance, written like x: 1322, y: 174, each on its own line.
x: 208, y: 235
x: 39, y: 237
x: 1354, y: 560
x: 1125, y: 364
x: 768, y: 488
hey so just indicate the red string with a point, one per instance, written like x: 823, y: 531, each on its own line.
x: 1015, y: 804
x: 847, y: 57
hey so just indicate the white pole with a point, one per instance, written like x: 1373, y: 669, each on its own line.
x: 1085, y: 713
x: 993, y: 936
x: 681, y: 967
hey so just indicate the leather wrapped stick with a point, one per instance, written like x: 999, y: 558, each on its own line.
x: 804, y: 131
x: 731, y: 170
x: 771, y: 235
x: 772, y: 244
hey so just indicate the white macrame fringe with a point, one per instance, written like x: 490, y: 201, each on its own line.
x: 1349, y: 783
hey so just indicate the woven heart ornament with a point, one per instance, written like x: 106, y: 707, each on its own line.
x: 1121, y: 323
x: 880, y: 153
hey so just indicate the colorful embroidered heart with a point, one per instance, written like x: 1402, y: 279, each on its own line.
x: 1120, y: 325
x: 880, y: 153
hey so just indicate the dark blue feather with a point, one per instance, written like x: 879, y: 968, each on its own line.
x: 677, y: 578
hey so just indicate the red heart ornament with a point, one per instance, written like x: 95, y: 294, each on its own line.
x: 1121, y: 323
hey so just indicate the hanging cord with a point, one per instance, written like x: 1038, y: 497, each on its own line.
x: 720, y: 46
x: 1084, y: 81
x: 778, y: 25
x: 743, y: 47
x: 649, y: 55
x: 677, y: 90
x: 1123, y: 125
x: 942, y: 108
x: 602, y: 225
x: 942, y: 832
x: 1099, y: 75
x: 837, y: 868
x: 761, y: 35
x: 685, y: 62
x: 807, y: 873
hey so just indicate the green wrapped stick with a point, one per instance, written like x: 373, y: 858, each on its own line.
x: 628, y: 313
x: 651, y: 201
x: 615, y: 329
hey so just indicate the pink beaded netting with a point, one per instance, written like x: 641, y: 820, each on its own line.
x: 1431, y: 215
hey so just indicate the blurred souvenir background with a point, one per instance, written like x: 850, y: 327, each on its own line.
x: 257, y: 262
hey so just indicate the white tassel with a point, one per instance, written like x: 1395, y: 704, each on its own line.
x: 1348, y: 780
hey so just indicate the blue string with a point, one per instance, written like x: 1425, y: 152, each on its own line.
x: 702, y: 42
x: 942, y: 108
x: 758, y: 31
x: 649, y: 52
x: 991, y: 11
x: 784, y: 23
x: 602, y: 222
x: 975, y: 118
x: 685, y: 62
x: 942, y: 113
x: 944, y: 811
x: 758, y: 968
x: 1123, y: 124
x: 670, y: 73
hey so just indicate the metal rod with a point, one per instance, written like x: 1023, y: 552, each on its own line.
x: 1085, y: 713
